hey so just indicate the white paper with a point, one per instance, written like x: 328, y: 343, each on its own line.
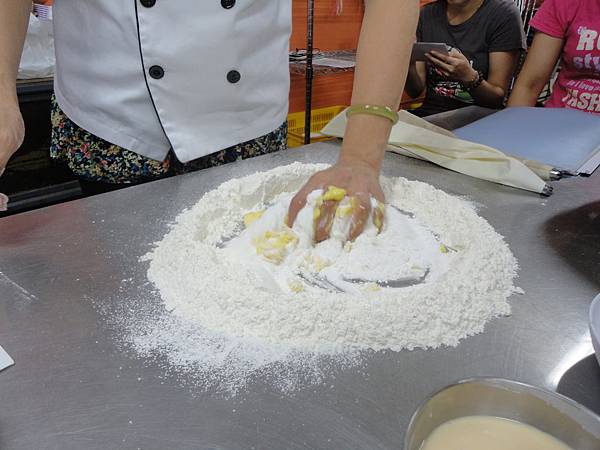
x: 5, y: 360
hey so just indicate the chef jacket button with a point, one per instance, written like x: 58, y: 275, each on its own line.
x: 233, y: 76
x: 156, y: 72
x: 227, y: 4
x: 148, y: 3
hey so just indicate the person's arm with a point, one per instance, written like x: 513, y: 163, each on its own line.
x: 382, y: 63
x: 491, y: 91
x: 416, y: 79
x: 539, y: 64
x: 14, y: 18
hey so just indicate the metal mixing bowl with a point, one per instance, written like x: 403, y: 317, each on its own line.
x: 559, y: 416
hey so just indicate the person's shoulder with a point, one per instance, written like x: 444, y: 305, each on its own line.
x: 503, y: 12
x: 431, y: 14
x: 563, y: 5
x: 564, y: 11
x: 431, y: 9
x: 503, y: 6
x: 431, y: 6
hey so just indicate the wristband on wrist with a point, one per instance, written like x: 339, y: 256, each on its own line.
x: 472, y: 85
x: 374, y: 110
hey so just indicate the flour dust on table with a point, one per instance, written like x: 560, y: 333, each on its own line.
x: 243, y: 295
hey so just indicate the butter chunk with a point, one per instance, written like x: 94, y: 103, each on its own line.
x: 334, y: 193
x: 252, y: 217
x: 272, y: 245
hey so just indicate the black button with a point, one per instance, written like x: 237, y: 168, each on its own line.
x: 148, y: 3
x: 156, y: 72
x: 233, y: 76
x: 227, y: 4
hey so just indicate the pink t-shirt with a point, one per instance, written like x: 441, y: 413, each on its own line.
x: 578, y: 23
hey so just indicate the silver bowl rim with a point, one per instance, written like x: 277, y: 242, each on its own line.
x: 560, y: 397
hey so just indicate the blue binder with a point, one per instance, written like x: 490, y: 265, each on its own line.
x: 566, y: 139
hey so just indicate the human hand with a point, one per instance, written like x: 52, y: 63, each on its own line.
x: 12, y: 132
x: 359, y: 180
x: 454, y: 66
x: 3, y: 198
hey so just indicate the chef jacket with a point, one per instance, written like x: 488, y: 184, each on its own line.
x: 196, y: 76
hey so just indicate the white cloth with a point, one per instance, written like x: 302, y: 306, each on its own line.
x: 105, y: 49
x: 415, y: 137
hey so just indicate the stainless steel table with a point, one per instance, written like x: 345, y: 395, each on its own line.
x: 72, y: 388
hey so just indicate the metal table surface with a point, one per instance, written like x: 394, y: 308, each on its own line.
x: 72, y: 388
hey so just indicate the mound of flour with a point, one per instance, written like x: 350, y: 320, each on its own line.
x: 220, y: 316
x: 397, y: 255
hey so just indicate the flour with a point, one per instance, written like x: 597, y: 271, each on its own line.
x: 236, y: 313
x: 402, y: 252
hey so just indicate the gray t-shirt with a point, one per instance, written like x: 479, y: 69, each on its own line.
x: 495, y: 27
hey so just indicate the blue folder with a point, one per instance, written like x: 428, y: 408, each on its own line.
x: 566, y: 139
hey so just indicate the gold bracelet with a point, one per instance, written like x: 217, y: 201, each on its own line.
x: 374, y: 110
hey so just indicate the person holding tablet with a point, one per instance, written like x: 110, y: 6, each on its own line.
x: 485, y: 39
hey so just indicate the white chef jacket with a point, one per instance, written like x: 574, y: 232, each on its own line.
x: 197, y: 76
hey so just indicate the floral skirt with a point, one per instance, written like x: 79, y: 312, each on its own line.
x: 93, y: 159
